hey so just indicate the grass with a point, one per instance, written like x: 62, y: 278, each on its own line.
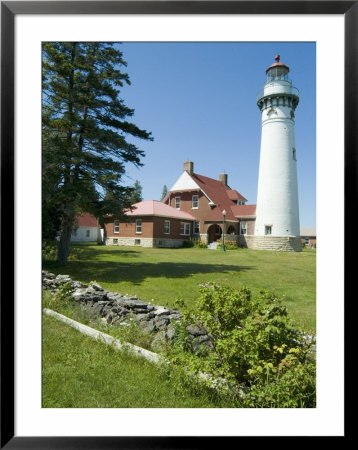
x: 79, y: 372
x: 161, y: 276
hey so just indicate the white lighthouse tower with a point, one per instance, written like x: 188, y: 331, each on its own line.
x: 277, y: 224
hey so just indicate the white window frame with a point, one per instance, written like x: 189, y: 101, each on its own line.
x: 116, y: 226
x: 243, y: 226
x: 138, y: 226
x: 184, y: 229
x: 166, y: 226
x: 177, y: 202
x: 195, y: 203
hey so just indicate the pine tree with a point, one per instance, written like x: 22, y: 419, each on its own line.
x: 164, y: 192
x: 85, y: 142
x: 137, y: 192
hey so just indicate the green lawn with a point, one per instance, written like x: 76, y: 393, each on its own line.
x: 162, y: 275
x: 78, y: 372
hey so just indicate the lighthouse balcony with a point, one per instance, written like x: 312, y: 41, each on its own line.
x: 277, y: 88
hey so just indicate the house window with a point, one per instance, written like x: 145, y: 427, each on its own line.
x: 243, y: 228
x: 166, y: 226
x: 116, y: 226
x: 138, y: 226
x: 195, y: 202
x: 268, y: 229
x: 240, y: 202
x: 185, y: 228
x: 87, y: 233
x: 115, y: 241
x: 177, y: 202
x: 136, y: 241
x: 307, y: 240
x: 196, y: 227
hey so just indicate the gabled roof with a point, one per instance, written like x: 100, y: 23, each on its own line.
x: 156, y: 208
x: 220, y: 195
x: 86, y: 220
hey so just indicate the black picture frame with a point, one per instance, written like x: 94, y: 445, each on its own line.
x: 9, y: 9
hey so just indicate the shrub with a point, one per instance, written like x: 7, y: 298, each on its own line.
x: 254, y: 345
x: 49, y: 250
x: 228, y: 246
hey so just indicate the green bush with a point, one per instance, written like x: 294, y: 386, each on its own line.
x: 253, y: 345
x: 49, y: 250
x: 228, y: 246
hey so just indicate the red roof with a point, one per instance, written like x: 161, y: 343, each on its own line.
x: 244, y: 210
x: 156, y: 208
x: 277, y: 64
x: 220, y: 194
x: 87, y: 220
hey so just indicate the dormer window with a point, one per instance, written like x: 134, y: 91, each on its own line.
x: 177, y: 202
x: 195, y: 202
x: 240, y: 202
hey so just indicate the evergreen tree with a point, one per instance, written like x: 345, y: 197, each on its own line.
x: 85, y: 142
x: 164, y: 192
x: 137, y: 192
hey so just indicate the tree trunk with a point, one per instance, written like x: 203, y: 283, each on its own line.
x: 65, y: 239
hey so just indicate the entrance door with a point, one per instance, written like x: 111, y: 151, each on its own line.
x: 214, y: 233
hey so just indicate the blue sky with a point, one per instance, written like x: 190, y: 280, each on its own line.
x: 199, y: 102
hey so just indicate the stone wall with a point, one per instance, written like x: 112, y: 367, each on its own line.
x: 273, y: 243
x: 145, y: 242
x: 117, y: 309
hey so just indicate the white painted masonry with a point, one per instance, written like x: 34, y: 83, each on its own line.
x: 277, y: 198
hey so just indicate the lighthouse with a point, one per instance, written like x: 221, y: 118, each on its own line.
x: 277, y: 224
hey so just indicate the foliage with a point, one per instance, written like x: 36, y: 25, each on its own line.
x: 136, y: 195
x: 194, y: 242
x: 85, y: 132
x: 164, y: 192
x: 59, y: 301
x: 253, y: 344
x: 228, y: 246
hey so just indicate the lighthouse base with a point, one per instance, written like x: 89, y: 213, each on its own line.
x: 272, y: 243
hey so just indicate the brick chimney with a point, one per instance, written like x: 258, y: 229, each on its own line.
x: 189, y: 167
x: 223, y: 178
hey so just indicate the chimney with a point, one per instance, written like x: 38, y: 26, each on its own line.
x: 223, y: 178
x: 189, y: 167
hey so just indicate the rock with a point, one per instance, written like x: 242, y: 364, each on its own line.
x: 170, y: 333
x: 96, y: 286
x: 148, y: 326
x: 161, y: 322
x: 195, y: 330
x: 62, y: 279
x: 159, y: 340
x: 160, y: 310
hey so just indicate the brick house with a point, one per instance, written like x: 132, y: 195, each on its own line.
x: 150, y: 224
x: 87, y: 229
x: 308, y: 236
x: 208, y: 200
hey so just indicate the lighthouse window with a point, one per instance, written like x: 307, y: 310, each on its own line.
x: 268, y: 229
x: 294, y: 154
